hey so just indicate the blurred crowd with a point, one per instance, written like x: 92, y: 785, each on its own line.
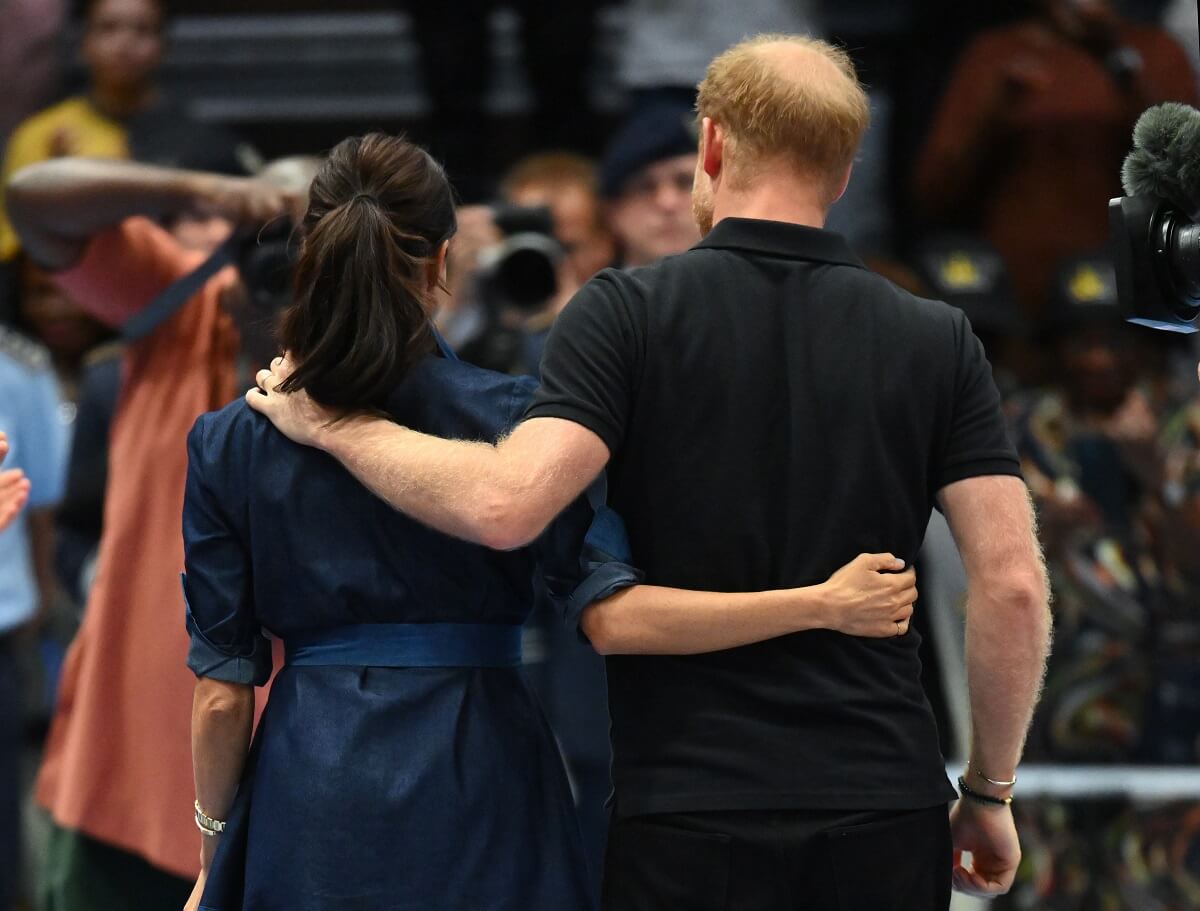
x: 998, y: 204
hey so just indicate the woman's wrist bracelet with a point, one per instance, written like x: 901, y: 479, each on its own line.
x: 992, y: 781
x: 979, y: 797
x: 206, y: 824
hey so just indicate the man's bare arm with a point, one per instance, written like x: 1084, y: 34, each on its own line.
x: 56, y: 206
x: 501, y: 496
x: 1008, y: 618
x: 1008, y: 639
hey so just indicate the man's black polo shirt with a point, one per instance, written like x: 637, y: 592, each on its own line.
x: 773, y: 409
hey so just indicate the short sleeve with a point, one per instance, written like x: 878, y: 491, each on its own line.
x: 44, y: 437
x: 590, y: 362
x: 225, y: 639
x: 123, y: 269
x: 977, y: 442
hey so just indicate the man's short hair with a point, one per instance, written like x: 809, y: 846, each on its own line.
x: 787, y: 97
x: 550, y: 169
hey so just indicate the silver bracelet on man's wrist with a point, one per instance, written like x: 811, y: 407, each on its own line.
x: 993, y: 782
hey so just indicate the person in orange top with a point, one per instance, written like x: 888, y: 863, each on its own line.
x: 117, y: 774
x: 1027, y: 144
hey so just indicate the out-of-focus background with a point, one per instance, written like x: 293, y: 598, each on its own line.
x: 997, y: 134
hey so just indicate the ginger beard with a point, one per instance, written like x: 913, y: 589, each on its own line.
x: 702, y: 198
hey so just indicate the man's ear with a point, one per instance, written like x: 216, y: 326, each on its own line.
x: 712, y: 148
x: 845, y: 183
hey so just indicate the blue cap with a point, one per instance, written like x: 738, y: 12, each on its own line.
x: 656, y: 132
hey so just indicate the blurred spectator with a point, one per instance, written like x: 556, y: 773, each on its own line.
x: 1028, y: 143
x: 14, y: 488
x: 29, y: 57
x: 551, y: 194
x: 668, y: 46
x: 558, y: 39
x: 122, y: 113
x: 80, y: 516
x: 49, y: 314
x: 567, y: 184
x: 646, y: 181
x: 116, y: 775
x: 29, y: 416
x: 1113, y: 461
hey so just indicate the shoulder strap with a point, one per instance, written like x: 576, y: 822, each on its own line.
x: 180, y: 291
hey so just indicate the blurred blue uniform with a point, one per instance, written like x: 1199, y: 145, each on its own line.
x: 386, y: 772
x: 29, y: 414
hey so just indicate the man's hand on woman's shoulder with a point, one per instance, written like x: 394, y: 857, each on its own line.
x: 294, y: 414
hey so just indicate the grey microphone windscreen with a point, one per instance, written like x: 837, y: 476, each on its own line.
x: 1165, y: 160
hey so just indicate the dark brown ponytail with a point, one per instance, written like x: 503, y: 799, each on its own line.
x: 379, y: 210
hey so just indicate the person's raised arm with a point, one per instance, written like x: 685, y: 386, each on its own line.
x: 57, y: 206
x: 1007, y: 641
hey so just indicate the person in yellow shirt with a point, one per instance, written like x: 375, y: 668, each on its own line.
x: 122, y: 113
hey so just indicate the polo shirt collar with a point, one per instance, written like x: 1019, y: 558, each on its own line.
x: 780, y: 238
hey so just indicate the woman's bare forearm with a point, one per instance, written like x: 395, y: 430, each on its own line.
x: 222, y: 724
x: 654, y: 620
x: 872, y: 596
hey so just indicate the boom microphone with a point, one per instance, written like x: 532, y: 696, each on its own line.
x: 1155, y: 242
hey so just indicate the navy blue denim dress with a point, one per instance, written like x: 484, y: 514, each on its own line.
x: 401, y: 762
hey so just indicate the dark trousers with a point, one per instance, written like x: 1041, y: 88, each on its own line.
x: 780, y: 860
x: 82, y: 874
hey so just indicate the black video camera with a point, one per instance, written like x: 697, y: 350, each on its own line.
x: 522, y: 270
x: 1154, y: 236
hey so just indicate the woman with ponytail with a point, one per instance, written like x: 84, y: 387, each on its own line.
x: 400, y: 763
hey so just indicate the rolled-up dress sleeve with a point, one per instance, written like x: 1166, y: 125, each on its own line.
x: 226, y: 640
x: 584, y: 555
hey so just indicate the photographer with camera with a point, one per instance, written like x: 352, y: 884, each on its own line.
x: 117, y: 766
x: 517, y: 262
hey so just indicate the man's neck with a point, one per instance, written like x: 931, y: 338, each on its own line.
x: 770, y: 201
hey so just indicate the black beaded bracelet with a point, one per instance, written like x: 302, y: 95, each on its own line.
x: 982, y: 798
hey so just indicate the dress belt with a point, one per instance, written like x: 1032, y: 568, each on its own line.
x: 407, y: 645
